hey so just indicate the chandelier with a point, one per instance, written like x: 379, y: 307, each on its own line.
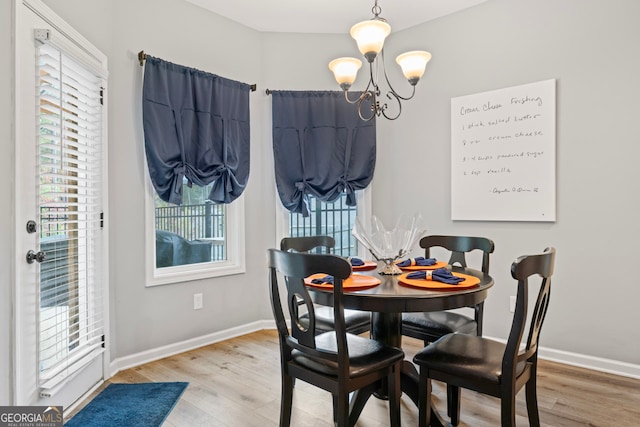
x: 370, y: 35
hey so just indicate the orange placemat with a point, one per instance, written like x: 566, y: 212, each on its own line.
x: 368, y: 265
x: 355, y: 282
x: 438, y: 264
x: 468, y: 282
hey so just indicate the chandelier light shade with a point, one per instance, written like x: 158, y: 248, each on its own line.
x: 413, y: 64
x: 369, y: 36
x: 345, y: 71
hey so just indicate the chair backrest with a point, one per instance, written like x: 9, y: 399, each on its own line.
x: 294, y: 267
x: 308, y: 243
x: 459, y: 245
x: 540, y: 265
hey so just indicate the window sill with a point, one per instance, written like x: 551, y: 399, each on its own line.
x: 186, y: 273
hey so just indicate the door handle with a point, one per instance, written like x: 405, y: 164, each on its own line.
x: 35, y: 256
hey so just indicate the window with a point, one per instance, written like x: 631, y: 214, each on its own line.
x: 195, y: 240
x: 334, y: 219
x: 191, y: 233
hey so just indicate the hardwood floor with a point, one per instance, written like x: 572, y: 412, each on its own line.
x: 236, y: 383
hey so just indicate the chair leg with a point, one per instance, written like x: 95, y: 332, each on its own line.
x: 453, y: 404
x: 394, y: 394
x: 341, y: 410
x: 508, y: 409
x: 532, y: 401
x: 286, y: 400
x: 424, y: 399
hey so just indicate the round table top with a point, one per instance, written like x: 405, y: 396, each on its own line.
x: 393, y: 297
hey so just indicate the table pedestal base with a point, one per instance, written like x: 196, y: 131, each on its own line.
x: 387, y: 328
x: 409, y: 386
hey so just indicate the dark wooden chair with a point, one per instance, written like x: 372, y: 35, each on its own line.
x: 491, y: 367
x: 336, y: 361
x: 356, y: 321
x: 431, y: 326
x: 311, y: 244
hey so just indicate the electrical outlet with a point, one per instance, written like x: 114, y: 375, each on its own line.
x: 197, y: 301
x: 512, y: 304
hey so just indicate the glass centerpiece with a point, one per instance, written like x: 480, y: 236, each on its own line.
x: 390, y: 245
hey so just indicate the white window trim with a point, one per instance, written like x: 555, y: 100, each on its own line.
x: 363, y: 200
x: 235, y: 250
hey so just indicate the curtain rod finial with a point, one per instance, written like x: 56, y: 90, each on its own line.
x: 142, y: 57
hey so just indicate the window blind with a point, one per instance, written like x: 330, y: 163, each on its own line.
x: 70, y: 202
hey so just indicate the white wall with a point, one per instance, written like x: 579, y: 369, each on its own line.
x: 500, y: 43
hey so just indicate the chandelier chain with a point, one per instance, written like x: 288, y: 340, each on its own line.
x: 376, y: 10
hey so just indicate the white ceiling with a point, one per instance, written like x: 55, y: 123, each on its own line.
x: 329, y: 16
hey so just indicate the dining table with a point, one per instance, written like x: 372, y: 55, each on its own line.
x: 387, y: 301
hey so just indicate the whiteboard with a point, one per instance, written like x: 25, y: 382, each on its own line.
x: 503, y: 162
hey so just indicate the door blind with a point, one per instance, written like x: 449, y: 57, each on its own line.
x: 70, y: 201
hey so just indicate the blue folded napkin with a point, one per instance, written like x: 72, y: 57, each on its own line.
x: 439, y: 275
x: 326, y: 279
x: 356, y: 261
x: 421, y: 261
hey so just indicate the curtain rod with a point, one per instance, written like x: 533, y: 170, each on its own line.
x: 143, y: 56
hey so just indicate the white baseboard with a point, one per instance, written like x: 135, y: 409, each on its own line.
x: 574, y: 359
x: 147, y: 356
x: 589, y: 362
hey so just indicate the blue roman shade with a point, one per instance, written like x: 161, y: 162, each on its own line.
x: 196, y: 126
x: 320, y: 148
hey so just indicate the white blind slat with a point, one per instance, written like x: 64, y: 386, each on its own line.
x: 52, y: 348
x: 52, y: 123
x: 54, y: 147
x: 70, y: 177
x: 67, y: 178
x: 86, y: 332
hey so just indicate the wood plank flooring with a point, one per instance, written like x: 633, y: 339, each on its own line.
x: 236, y: 383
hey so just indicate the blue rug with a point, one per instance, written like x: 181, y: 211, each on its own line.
x: 122, y: 405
